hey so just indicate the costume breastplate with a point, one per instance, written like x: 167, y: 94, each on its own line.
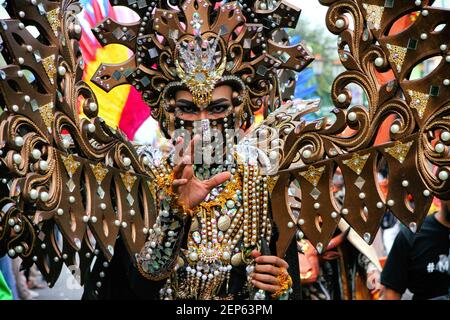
x: 225, y: 229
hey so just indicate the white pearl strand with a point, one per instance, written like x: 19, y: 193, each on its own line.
x: 256, y: 202
x: 265, y: 227
x: 245, y: 201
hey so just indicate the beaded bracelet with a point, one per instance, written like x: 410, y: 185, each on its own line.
x: 165, y: 183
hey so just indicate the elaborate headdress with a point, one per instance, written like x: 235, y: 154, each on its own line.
x: 199, y: 44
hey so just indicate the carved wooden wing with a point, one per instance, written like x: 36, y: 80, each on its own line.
x: 61, y: 174
x: 417, y: 156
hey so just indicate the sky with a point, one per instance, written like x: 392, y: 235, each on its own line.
x: 312, y: 11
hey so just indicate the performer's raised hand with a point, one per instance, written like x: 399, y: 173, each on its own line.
x: 192, y: 191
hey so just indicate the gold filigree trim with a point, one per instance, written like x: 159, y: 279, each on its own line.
x: 397, y: 56
x: 71, y: 164
x: 307, y: 275
x: 100, y: 172
x: 374, y: 15
x: 285, y: 283
x: 128, y: 180
x: 399, y: 150
x: 50, y: 67
x: 419, y: 101
x: 47, y: 115
x: 53, y: 19
x: 313, y: 175
x: 357, y: 162
x: 271, y: 182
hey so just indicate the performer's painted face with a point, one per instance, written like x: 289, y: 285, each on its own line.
x: 214, y: 123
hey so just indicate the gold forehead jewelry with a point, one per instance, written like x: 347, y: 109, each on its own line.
x: 197, y: 67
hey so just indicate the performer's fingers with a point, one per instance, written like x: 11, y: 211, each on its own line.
x: 273, y: 260
x: 191, y: 148
x: 268, y: 269
x: 178, y: 156
x: 179, y: 182
x: 178, y: 169
x: 188, y: 172
x: 265, y: 278
x: 266, y: 287
x: 256, y: 254
x: 218, y: 179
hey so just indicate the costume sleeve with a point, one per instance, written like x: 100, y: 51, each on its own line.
x: 395, y: 271
x: 159, y: 256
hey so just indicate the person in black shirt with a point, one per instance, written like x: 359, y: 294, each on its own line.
x: 420, y: 262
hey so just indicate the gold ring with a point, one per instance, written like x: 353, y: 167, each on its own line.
x: 285, y: 282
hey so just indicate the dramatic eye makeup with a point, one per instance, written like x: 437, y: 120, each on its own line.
x: 215, y: 107
x: 186, y: 106
x: 219, y: 106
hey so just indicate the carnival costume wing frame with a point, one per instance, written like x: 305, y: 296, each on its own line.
x: 86, y: 180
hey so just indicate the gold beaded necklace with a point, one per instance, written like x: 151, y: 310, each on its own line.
x: 224, y: 222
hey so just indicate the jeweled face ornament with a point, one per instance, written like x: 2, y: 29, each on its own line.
x: 214, y: 123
